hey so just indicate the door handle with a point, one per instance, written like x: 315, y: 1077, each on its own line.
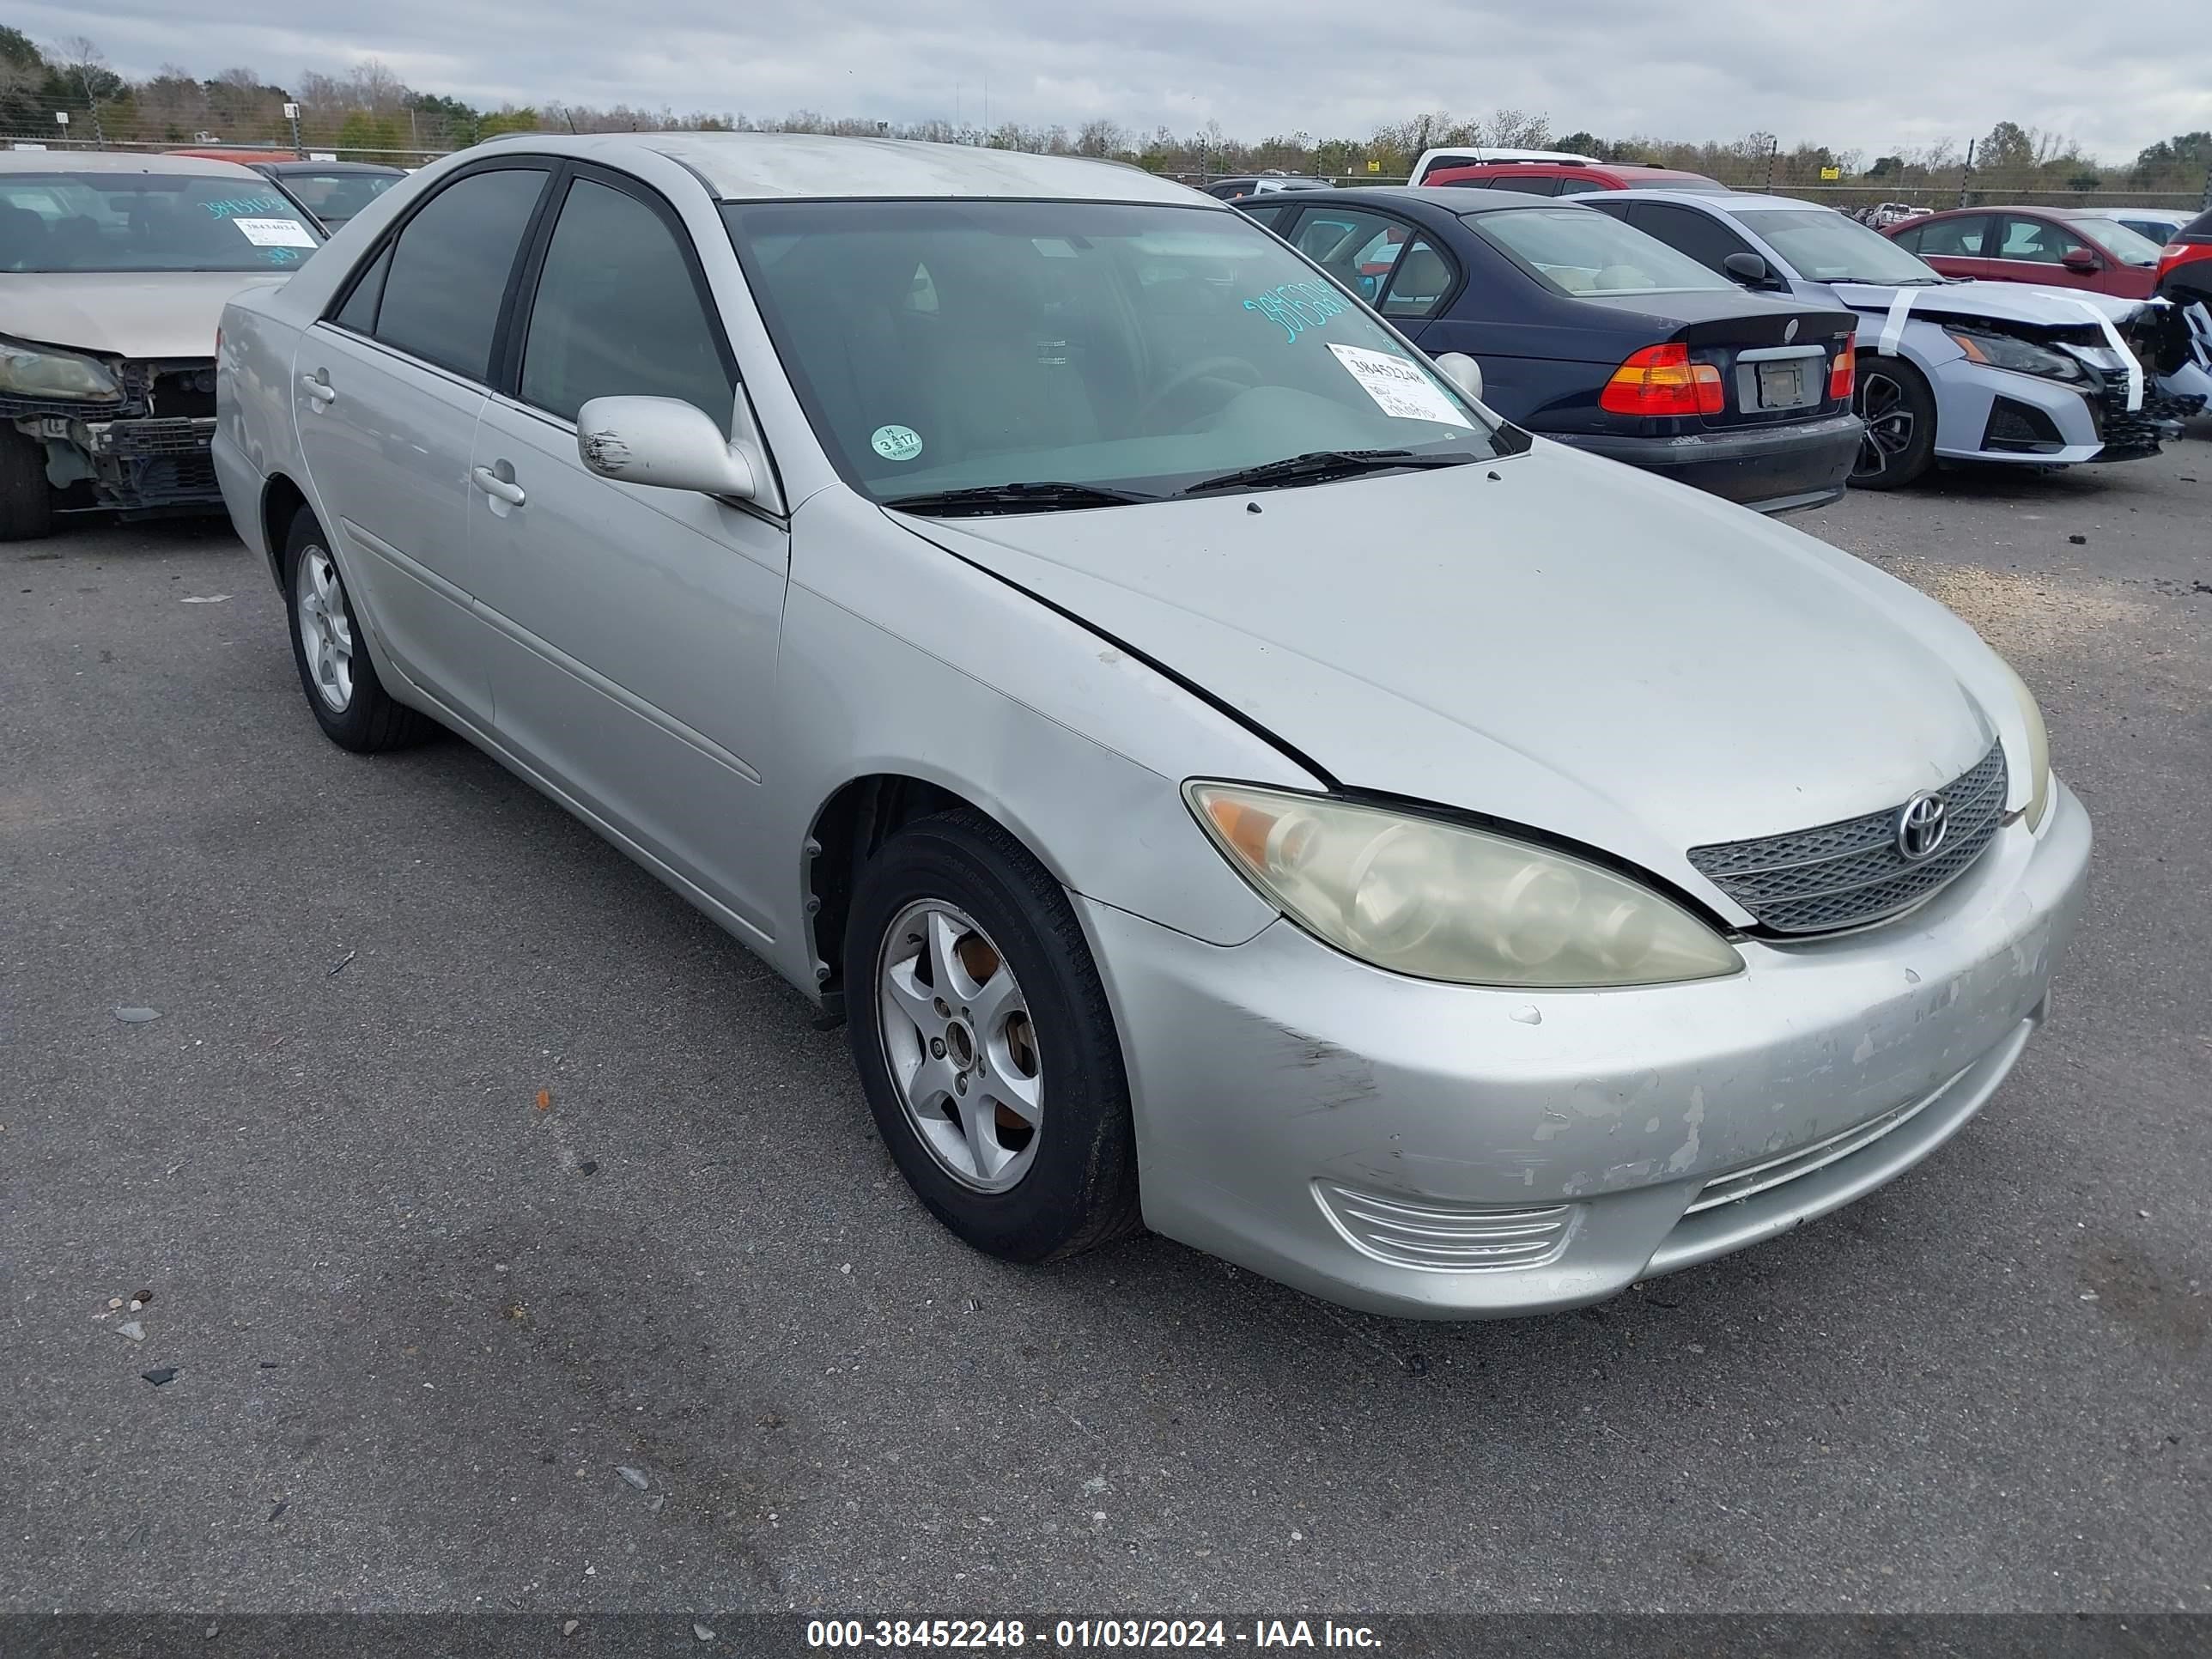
x: 319, y: 388
x: 496, y: 487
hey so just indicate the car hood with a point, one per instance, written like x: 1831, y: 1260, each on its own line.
x: 2004, y: 302
x: 124, y: 314
x: 1552, y: 640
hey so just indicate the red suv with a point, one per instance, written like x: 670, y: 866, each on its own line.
x: 1569, y: 178
x: 2035, y: 245
x: 2184, y: 267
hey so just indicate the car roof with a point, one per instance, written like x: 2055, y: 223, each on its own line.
x: 1444, y: 198
x: 296, y: 165
x: 768, y: 166
x: 1745, y: 201
x: 110, y: 161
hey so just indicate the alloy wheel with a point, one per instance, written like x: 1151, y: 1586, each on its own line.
x: 960, y: 1045
x: 325, y: 628
x: 1889, y: 423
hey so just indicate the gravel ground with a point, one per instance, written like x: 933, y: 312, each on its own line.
x: 421, y: 1324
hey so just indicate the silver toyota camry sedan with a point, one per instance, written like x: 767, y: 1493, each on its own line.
x: 1228, y: 780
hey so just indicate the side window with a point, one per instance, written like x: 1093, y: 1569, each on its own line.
x: 1356, y: 246
x: 1571, y: 185
x: 1958, y: 238
x: 1418, y: 285
x: 619, y: 315
x: 358, y: 313
x: 1686, y: 230
x: 448, y: 272
x: 1530, y: 184
x: 1270, y: 216
x: 2036, y: 240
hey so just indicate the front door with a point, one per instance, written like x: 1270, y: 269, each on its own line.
x: 387, y: 392
x: 632, y: 630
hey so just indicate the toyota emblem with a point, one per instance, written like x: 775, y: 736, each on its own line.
x: 1922, y: 823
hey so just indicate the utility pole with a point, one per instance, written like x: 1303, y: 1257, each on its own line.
x: 2208, y: 188
x: 292, y: 114
x: 99, y: 137
x: 1967, y: 173
x: 1773, y: 150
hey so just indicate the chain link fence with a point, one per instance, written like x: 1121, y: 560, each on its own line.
x: 409, y: 137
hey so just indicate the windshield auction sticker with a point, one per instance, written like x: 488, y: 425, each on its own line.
x: 897, y: 443
x: 274, y: 232
x: 1400, y: 389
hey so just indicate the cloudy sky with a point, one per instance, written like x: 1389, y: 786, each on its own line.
x: 1877, y: 74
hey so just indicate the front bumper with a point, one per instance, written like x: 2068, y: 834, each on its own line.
x: 1361, y: 1135
x: 1769, y: 468
x: 121, y: 457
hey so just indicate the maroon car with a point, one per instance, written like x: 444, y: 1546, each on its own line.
x: 2048, y: 245
x: 1569, y: 178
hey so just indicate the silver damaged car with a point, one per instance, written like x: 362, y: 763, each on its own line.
x: 1227, y: 779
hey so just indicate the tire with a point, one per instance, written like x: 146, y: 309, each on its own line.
x: 1903, y: 448
x: 1047, y: 1090
x: 349, y: 700
x: 27, y: 500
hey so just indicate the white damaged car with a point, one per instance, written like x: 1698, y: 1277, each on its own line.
x: 1951, y: 370
x: 114, y: 271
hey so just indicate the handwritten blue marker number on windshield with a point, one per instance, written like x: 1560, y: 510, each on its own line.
x: 1299, y: 306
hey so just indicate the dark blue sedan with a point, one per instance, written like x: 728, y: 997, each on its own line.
x: 1590, y: 333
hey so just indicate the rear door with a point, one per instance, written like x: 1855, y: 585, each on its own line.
x: 386, y: 390
x: 1957, y: 246
x: 2030, y: 248
x: 632, y: 630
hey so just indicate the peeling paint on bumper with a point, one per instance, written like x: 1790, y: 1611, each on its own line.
x: 1258, y: 1070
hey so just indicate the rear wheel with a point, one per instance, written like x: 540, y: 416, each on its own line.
x: 27, y: 500
x: 1893, y: 400
x: 984, y: 1045
x: 349, y: 702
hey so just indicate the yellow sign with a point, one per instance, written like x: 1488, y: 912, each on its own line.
x: 1374, y: 166
x: 1832, y: 173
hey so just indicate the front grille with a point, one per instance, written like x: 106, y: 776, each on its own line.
x: 1443, y: 1237
x: 181, y: 436
x: 1849, y: 874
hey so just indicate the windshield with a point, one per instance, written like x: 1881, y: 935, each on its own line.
x: 1576, y: 250
x: 335, y: 197
x: 1822, y: 245
x: 975, y: 343
x: 2122, y: 244
x: 88, y: 221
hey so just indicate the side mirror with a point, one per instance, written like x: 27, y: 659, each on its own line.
x: 2081, y: 259
x: 1745, y: 268
x: 662, y: 441
x: 1463, y: 372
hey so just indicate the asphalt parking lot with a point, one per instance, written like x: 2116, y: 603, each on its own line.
x: 420, y: 1322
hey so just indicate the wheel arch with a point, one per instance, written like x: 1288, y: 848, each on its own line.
x: 281, y: 501
x: 848, y: 829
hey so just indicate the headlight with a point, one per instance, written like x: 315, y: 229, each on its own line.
x: 1419, y: 896
x: 2038, y: 749
x: 28, y: 371
x: 2022, y: 356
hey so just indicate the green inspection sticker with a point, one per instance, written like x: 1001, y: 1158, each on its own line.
x: 897, y: 443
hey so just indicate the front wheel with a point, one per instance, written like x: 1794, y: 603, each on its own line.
x: 349, y: 702
x: 1893, y: 399
x: 984, y: 1045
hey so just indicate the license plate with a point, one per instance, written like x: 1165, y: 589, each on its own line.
x: 1783, y: 386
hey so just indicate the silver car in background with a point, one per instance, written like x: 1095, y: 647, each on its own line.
x: 1228, y: 780
x: 2008, y: 374
x: 113, y: 271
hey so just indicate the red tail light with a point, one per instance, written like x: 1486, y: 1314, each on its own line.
x: 1843, y: 373
x: 1661, y: 379
x: 2174, y: 255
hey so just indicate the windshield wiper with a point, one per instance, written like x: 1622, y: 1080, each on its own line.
x: 1322, y: 465
x: 1020, y: 497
